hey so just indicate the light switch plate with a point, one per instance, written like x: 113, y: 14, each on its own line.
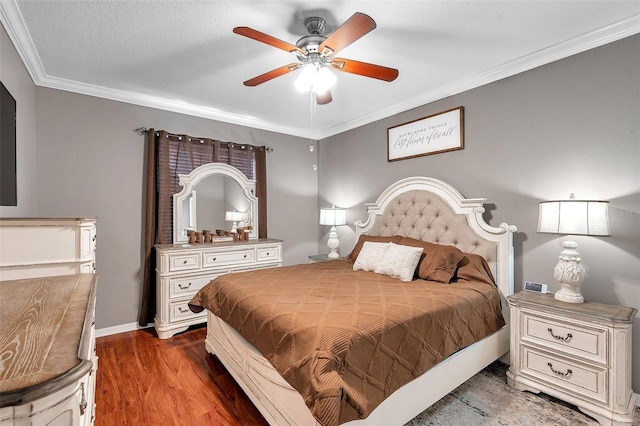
x: 535, y: 287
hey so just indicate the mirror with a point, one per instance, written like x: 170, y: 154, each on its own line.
x: 208, y: 193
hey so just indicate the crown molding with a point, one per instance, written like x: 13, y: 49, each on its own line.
x: 16, y: 29
x: 15, y: 26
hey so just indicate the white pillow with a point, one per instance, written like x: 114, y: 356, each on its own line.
x: 370, y: 256
x: 400, y: 261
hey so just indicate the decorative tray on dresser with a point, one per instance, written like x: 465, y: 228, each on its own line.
x: 580, y: 353
x: 183, y: 269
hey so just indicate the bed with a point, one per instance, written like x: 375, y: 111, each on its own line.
x: 331, y: 357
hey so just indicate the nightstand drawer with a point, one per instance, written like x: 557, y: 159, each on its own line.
x: 224, y: 258
x: 565, y: 374
x: 573, y: 338
x: 184, y: 262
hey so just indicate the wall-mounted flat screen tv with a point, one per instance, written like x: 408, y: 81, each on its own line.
x: 8, y: 177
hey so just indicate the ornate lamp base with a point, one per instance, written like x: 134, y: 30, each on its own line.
x: 333, y: 244
x: 569, y: 273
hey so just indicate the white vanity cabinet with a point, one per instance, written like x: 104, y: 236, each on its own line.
x: 183, y: 269
x: 42, y: 247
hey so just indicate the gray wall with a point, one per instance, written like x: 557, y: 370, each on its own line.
x: 570, y: 126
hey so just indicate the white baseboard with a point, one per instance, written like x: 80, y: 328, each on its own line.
x: 122, y: 328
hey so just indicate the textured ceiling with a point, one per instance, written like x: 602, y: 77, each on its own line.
x: 182, y: 56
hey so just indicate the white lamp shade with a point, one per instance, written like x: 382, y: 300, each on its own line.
x: 235, y: 216
x: 333, y: 216
x: 574, y: 217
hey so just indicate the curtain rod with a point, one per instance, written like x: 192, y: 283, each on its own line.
x: 143, y: 131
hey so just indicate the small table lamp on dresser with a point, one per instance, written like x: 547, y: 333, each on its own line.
x: 333, y: 216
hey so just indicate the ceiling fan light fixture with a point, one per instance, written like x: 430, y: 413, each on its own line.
x: 315, y: 54
x: 324, y: 80
x: 316, y: 78
x: 304, y: 82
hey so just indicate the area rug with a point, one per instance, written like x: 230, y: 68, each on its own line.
x: 487, y: 400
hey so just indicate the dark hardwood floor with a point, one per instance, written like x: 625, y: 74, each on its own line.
x: 143, y: 380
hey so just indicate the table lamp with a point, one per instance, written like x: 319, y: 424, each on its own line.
x: 572, y: 217
x: 334, y: 217
x: 234, y: 217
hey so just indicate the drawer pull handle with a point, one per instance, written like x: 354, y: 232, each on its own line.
x: 560, y: 338
x: 182, y: 310
x: 214, y: 259
x: 184, y: 262
x: 268, y: 253
x: 184, y: 287
x: 560, y: 373
x: 83, y: 400
x: 245, y: 256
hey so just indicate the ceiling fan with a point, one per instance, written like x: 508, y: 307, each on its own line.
x: 315, y: 53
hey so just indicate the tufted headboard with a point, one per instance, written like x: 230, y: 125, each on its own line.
x: 431, y: 210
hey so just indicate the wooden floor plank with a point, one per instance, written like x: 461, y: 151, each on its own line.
x: 144, y: 380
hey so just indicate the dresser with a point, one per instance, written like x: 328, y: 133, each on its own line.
x: 47, y: 312
x: 41, y: 247
x: 183, y: 269
x: 580, y: 353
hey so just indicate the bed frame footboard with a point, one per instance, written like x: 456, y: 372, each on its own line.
x: 280, y: 404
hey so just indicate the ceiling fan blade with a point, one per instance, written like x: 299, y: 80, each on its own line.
x: 267, y: 39
x: 355, y: 27
x: 365, y: 69
x: 271, y: 75
x: 324, y: 98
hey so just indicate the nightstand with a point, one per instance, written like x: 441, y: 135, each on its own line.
x: 577, y: 352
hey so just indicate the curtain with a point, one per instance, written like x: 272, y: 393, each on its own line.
x: 170, y: 155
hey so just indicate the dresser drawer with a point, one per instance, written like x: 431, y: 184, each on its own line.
x: 184, y: 261
x: 180, y: 311
x: 266, y: 254
x: 566, y: 374
x: 185, y: 286
x: 225, y: 258
x: 573, y: 338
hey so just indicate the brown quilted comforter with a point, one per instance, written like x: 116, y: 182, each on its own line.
x: 347, y: 339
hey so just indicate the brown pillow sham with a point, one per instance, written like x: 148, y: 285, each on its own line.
x: 356, y: 250
x: 438, y: 262
x: 474, y: 267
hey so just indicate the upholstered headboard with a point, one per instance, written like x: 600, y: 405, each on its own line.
x: 425, y: 216
x: 431, y: 210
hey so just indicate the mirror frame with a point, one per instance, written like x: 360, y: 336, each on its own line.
x: 189, y: 182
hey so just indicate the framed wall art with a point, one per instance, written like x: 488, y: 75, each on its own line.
x: 434, y: 134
